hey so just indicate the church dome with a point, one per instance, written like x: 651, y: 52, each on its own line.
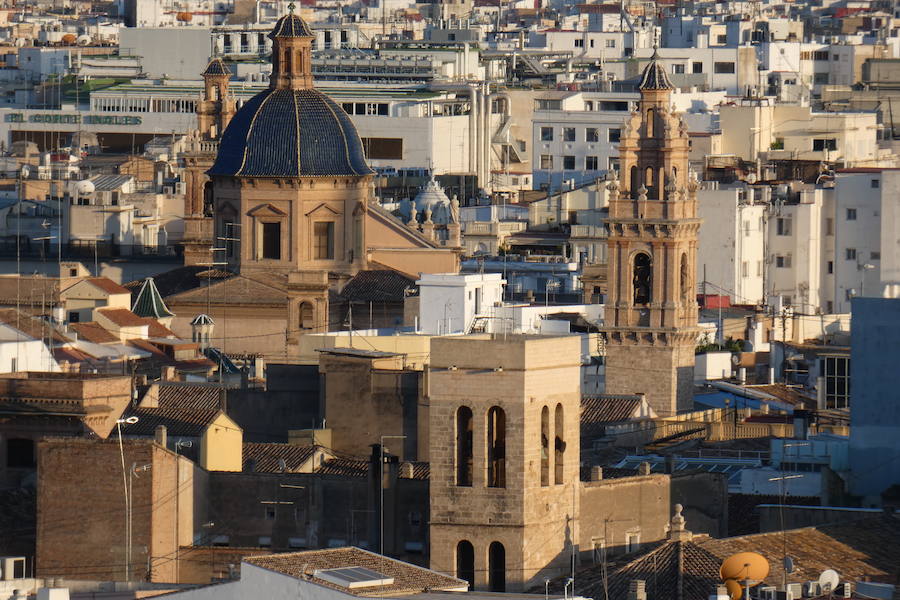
x: 654, y: 76
x: 290, y: 25
x: 431, y: 196
x: 290, y: 133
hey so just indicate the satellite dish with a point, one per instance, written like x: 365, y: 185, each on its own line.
x: 829, y: 580
x: 788, y: 564
x: 745, y: 566
x: 85, y: 187
x: 735, y: 591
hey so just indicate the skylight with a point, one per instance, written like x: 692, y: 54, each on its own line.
x: 353, y: 577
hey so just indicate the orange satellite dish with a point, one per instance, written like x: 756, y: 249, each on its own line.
x: 735, y: 591
x: 745, y: 566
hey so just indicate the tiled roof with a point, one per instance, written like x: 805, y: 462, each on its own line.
x: 92, y: 331
x: 346, y: 467
x: 29, y: 290
x: 31, y: 326
x: 187, y: 423
x: 789, y: 395
x: 217, y: 67
x: 155, y: 329
x: 858, y: 550
x: 654, y: 76
x: 259, y: 288
x: 290, y: 133
x: 599, y: 411
x: 378, y: 286
x: 408, y: 579
x: 289, y: 26
x: 265, y: 457
x: 108, y: 285
x: 109, y: 183
x: 149, y: 302
x: 122, y: 317
x: 179, y: 280
x: 190, y: 397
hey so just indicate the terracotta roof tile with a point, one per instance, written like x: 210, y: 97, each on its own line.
x: 378, y: 286
x: 408, y: 579
x: 265, y: 457
x: 93, y: 332
x: 108, y: 285
x: 346, y: 467
x: 122, y: 317
x: 190, y: 397
x: 187, y: 423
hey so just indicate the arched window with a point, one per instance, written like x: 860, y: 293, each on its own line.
x: 465, y: 562
x: 19, y: 453
x: 496, y: 567
x: 650, y: 122
x: 545, y: 446
x: 643, y: 278
x: 559, y: 445
x: 464, y: 446
x: 685, y: 279
x: 287, y: 62
x: 496, y: 433
x: 307, y: 316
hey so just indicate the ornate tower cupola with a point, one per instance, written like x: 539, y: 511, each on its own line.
x: 651, y: 313
x: 217, y: 106
x: 291, y: 53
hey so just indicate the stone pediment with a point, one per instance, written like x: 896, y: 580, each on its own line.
x: 322, y: 208
x: 266, y: 210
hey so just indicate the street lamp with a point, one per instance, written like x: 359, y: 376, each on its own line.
x: 862, y: 277
x: 381, y: 487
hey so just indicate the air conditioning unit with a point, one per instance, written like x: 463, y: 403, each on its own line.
x: 795, y: 589
x: 767, y: 593
x: 812, y: 589
x: 180, y: 187
x: 12, y: 567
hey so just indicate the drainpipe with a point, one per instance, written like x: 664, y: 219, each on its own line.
x: 486, y: 136
x: 473, y: 129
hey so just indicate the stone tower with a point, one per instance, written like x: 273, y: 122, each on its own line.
x: 215, y: 109
x: 504, y: 454
x: 651, y: 310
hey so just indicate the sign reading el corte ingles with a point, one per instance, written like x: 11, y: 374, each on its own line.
x: 73, y: 119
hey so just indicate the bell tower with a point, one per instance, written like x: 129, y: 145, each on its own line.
x: 651, y: 311
x: 216, y: 106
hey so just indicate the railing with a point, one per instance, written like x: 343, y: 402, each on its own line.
x: 80, y: 249
x: 588, y: 231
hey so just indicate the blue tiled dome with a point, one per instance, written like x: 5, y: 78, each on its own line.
x: 291, y: 25
x: 290, y: 133
x: 654, y: 76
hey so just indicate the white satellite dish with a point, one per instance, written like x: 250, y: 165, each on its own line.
x: 829, y: 580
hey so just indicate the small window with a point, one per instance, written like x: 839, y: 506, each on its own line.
x: 632, y: 542
x: 546, y: 134
x: 874, y: 255
x: 745, y: 269
x: 850, y: 253
x: 265, y: 541
x: 579, y: 43
x: 875, y: 184
x: 722, y: 39
x: 823, y: 144
x: 783, y: 262
x: 610, y: 43
x: 851, y: 214
x: 783, y: 226
x: 697, y: 67
x: 723, y: 67
x: 678, y: 69
x: 591, y: 135
x: 568, y: 163
x: 829, y: 306
x: 830, y: 267
x: 271, y: 241
x: 614, y: 135
x: 323, y: 239
x: 590, y: 163
x: 547, y: 162
x: 269, y: 512
x: 73, y: 316
x: 568, y: 134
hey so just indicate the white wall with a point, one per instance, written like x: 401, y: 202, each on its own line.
x: 449, y: 303
x: 21, y: 353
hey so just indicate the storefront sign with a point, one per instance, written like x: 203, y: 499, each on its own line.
x: 71, y: 119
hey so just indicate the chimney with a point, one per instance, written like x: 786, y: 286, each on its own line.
x: 643, y: 469
x: 161, y: 435
x: 596, y: 473
x: 637, y: 590
x: 406, y: 470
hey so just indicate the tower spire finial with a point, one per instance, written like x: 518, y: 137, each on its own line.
x: 291, y: 7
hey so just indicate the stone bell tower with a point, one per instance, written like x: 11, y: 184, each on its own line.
x: 215, y: 109
x: 651, y: 311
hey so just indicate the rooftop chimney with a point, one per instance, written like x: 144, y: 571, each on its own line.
x: 406, y: 470
x: 596, y: 473
x: 644, y: 469
x: 637, y: 590
x: 161, y: 435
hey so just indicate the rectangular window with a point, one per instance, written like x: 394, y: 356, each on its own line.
x: 546, y: 134
x: 829, y: 226
x: 271, y: 241
x: 723, y: 67
x: 783, y: 226
x: 568, y: 163
x: 678, y: 69
x: 591, y: 135
x: 73, y: 316
x: 759, y: 268
x: 830, y: 267
x: 875, y: 184
x: 850, y: 253
x: 697, y: 67
x: 323, y: 240
x: 610, y: 43
x: 615, y: 135
x: 874, y: 255
x: 745, y: 269
x: 568, y: 134
x: 783, y: 262
x: 837, y: 382
x: 579, y: 43
x: 386, y: 148
x: 820, y: 78
x: 614, y: 105
x: 589, y: 105
x: 829, y: 307
x: 632, y: 542
x: 820, y: 55
x: 822, y: 144
x: 851, y: 214
x: 591, y: 163
x: 722, y: 38
x: 547, y: 162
